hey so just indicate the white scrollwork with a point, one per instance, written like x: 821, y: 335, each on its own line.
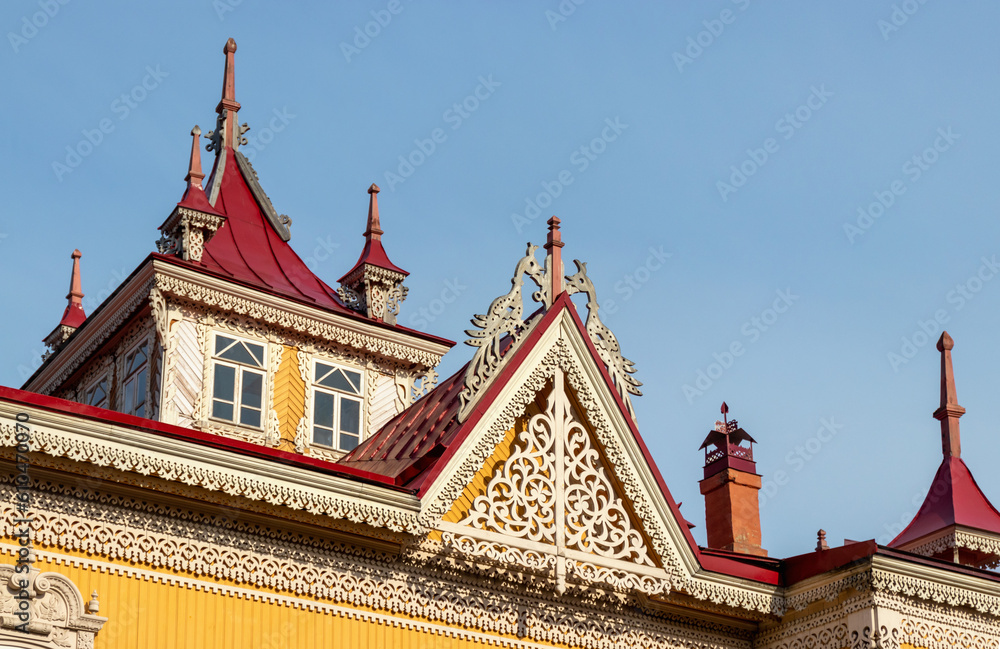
x: 619, y: 367
x: 554, y: 488
x: 503, y: 319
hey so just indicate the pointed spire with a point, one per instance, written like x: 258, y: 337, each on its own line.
x: 228, y: 100
x: 75, y: 295
x: 374, y: 231
x: 949, y: 412
x: 194, y: 175
x: 553, y: 260
x: 73, y: 316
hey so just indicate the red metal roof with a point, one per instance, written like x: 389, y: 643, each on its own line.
x: 953, y: 499
x: 248, y: 249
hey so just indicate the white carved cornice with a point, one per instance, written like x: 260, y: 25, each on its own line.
x: 189, y: 284
x: 144, y: 452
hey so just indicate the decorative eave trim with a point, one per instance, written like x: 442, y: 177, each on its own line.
x: 144, y: 452
x: 280, y: 222
x: 938, y: 584
x: 95, y: 331
x: 191, y: 285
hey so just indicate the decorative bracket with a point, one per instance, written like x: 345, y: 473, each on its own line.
x: 186, y: 231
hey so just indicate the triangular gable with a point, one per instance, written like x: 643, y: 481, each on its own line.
x: 618, y: 516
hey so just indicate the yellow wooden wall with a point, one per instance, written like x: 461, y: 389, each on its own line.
x: 151, y: 614
x: 289, y: 397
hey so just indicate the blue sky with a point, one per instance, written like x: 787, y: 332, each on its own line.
x: 816, y: 180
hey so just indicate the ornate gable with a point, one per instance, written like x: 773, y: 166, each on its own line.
x: 548, y: 487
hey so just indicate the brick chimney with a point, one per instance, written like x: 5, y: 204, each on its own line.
x: 730, y: 486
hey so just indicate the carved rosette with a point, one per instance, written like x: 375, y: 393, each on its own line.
x: 375, y: 292
x: 186, y: 231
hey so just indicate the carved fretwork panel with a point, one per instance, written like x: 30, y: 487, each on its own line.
x: 548, y: 490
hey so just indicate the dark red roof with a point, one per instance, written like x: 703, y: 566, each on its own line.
x: 73, y: 316
x: 954, y: 499
x: 194, y: 198
x: 248, y: 249
x: 373, y: 253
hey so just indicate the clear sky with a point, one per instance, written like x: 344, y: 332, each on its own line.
x: 817, y: 182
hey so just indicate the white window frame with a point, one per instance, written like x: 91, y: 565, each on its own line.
x: 129, y: 408
x: 105, y: 376
x: 338, y: 395
x: 240, y: 369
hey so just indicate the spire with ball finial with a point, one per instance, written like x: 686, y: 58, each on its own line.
x: 949, y: 411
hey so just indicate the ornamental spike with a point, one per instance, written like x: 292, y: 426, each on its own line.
x: 553, y: 259
x: 194, y: 175
x: 374, y: 229
x: 228, y: 100
x: 949, y: 412
x: 75, y: 295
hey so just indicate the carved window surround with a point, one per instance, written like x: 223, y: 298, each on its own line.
x: 58, y: 616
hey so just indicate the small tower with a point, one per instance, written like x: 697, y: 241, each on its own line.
x: 74, y: 314
x: 730, y: 486
x: 374, y: 287
x: 956, y: 521
x: 194, y: 221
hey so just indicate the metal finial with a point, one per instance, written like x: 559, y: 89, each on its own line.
x: 949, y: 412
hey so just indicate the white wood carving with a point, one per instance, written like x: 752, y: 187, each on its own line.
x: 554, y: 489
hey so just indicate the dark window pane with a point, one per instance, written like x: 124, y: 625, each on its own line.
x: 250, y: 417
x: 350, y: 416
x: 323, y: 410
x: 222, y: 410
x: 221, y: 342
x: 140, y: 411
x: 140, y: 387
x: 323, y: 436
x: 355, y: 379
x: 239, y: 354
x: 338, y: 381
x: 253, y: 386
x: 348, y: 442
x: 258, y: 353
x: 225, y: 383
x: 129, y: 401
x: 321, y: 371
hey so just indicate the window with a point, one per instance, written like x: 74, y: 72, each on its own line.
x: 134, y: 392
x: 336, y: 404
x: 238, y: 388
x: 97, y: 394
